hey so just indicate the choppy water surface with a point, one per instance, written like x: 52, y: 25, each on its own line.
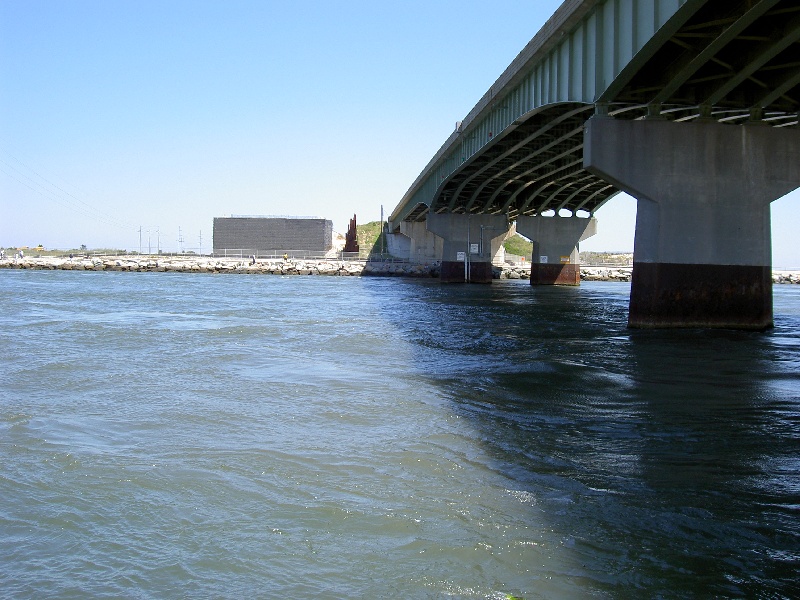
x: 167, y: 435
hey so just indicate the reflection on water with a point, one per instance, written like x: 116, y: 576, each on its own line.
x: 674, y: 451
x: 343, y: 437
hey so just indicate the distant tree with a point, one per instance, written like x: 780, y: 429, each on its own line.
x: 83, y: 246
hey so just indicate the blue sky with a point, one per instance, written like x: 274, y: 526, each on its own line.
x: 162, y: 115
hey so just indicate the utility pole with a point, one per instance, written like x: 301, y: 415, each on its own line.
x: 158, y: 240
x: 140, y: 239
x: 467, y: 264
x: 180, y: 239
x: 201, y: 242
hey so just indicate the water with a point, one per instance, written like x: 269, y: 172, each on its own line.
x: 201, y: 436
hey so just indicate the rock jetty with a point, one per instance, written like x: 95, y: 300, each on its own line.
x: 203, y: 264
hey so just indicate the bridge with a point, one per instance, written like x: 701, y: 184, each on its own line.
x: 690, y: 106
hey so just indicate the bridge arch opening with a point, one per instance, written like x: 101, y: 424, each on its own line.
x: 616, y: 225
x: 785, y: 247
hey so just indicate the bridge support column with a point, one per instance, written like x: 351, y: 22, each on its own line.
x: 702, y: 251
x: 555, y: 240
x: 470, y: 242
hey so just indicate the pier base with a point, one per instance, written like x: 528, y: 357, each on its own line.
x: 555, y: 274
x: 667, y: 295
x: 452, y: 271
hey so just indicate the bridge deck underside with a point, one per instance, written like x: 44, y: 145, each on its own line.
x: 729, y: 61
x: 537, y: 165
x: 732, y: 56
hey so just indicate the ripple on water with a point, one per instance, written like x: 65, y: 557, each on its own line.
x: 345, y: 437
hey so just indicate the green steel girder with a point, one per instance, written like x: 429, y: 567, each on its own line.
x: 519, y: 151
x: 730, y: 55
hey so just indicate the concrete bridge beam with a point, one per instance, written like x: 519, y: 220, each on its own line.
x: 702, y: 250
x: 555, y: 240
x: 469, y: 244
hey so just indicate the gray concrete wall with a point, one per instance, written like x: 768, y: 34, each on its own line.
x: 398, y: 245
x: 272, y: 234
x: 424, y: 246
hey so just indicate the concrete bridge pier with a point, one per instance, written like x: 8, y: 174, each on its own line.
x: 470, y: 242
x: 702, y: 250
x: 555, y: 247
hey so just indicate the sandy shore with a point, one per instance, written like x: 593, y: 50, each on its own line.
x: 203, y: 264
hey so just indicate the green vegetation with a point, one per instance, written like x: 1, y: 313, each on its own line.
x: 368, y: 236
x: 370, y: 239
x: 519, y: 245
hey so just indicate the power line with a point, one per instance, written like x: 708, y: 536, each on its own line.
x: 64, y: 203
x: 57, y: 194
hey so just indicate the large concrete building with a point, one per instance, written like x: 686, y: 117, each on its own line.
x: 265, y: 235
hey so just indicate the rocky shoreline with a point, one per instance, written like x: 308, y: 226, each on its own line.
x: 201, y: 264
